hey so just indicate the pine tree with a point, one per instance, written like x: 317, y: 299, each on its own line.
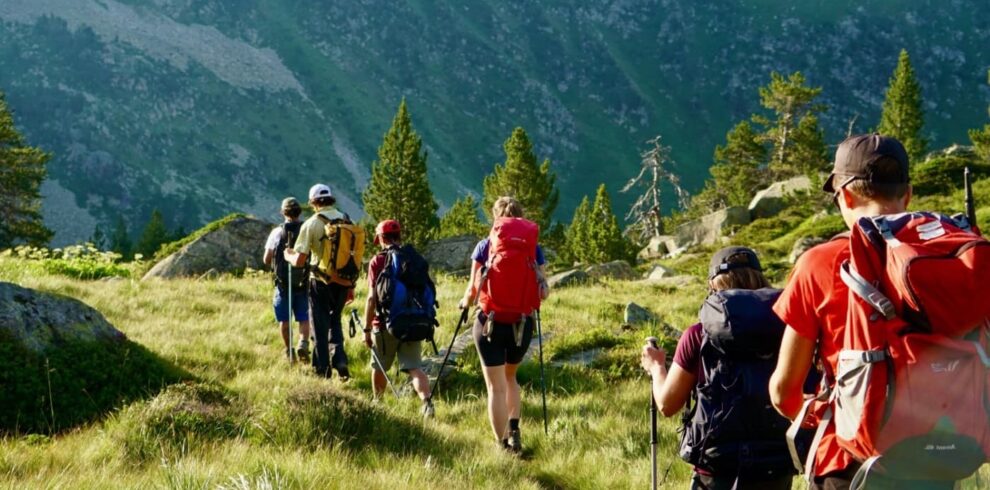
x: 981, y: 137
x: 791, y: 102
x: 810, y: 155
x: 738, y: 171
x: 462, y: 219
x: 577, y: 234
x: 606, y: 241
x: 22, y: 170
x: 399, y: 188
x: 655, y: 170
x: 120, y: 239
x: 155, y: 234
x: 99, y: 238
x: 902, y: 116
x: 520, y: 177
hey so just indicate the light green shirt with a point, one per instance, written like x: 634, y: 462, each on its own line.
x: 312, y: 232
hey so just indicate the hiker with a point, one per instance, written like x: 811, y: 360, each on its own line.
x: 382, y: 284
x: 731, y: 435
x: 280, y: 238
x: 871, y: 187
x: 501, y: 335
x: 333, y: 246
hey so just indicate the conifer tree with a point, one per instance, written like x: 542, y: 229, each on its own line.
x: 399, y: 188
x: 902, y: 115
x: 655, y: 170
x: 120, y: 239
x: 155, y: 235
x: 738, y: 171
x: 981, y: 137
x: 22, y: 170
x: 520, y: 177
x: 791, y: 102
x: 577, y: 234
x: 606, y: 241
x: 462, y: 219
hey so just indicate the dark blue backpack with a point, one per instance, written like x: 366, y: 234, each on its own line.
x: 407, y: 301
x: 732, y: 428
x: 280, y: 268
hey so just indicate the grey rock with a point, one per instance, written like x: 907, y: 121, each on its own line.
x: 209, y: 275
x: 637, y: 314
x: 770, y: 201
x: 658, y: 272
x: 677, y: 282
x: 237, y: 245
x: 709, y: 229
x: 616, y: 269
x: 802, y: 245
x: 581, y: 359
x: 43, y: 321
x: 568, y: 278
x: 658, y: 246
x: 451, y: 255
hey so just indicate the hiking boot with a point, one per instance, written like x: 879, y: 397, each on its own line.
x: 515, y: 441
x: 428, y: 411
x: 344, y: 373
x: 302, y: 350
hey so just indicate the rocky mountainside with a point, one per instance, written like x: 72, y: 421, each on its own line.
x: 203, y: 107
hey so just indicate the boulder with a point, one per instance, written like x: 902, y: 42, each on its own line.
x: 637, y: 314
x: 658, y: 272
x: 238, y: 244
x: 676, y: 282
x: 568, y: 278
x: 770, y: 201
x: 659, y: 246
x: 802, y: 245
x: 451, y: 255
x: 709, y: 229
x: 616, y: 269
x: 64, y: 364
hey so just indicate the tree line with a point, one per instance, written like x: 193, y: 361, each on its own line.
x: 783, y: 141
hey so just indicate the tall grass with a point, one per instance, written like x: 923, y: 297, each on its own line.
x: 253, y: 421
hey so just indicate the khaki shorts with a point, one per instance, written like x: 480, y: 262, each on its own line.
x: 410, y: 354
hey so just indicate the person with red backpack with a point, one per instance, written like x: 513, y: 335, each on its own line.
x: 507, y: 279
x: 282, y: 237
x: 892, y: 311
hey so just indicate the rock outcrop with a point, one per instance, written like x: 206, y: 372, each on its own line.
x: 231, y: 248
x: 770, y: 201
x: 635, y: 314
x: 709, y: 229
x: 658, y: 247
x: 616, y: 269
x: 659, y: 272
x: 568, y: 278
x: 451, y: 255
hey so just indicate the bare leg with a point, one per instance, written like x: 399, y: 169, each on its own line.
x: 378, y: 382
x: 284, y: 326
x: 512, y: 393
x: 420, y: 383
x: 304, y: 330
x: 497, y: 411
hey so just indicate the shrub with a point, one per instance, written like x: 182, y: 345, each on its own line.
x: 77, y: 261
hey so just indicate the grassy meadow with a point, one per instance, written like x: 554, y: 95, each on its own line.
x: 249, y: 420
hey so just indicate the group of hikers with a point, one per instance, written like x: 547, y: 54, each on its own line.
x: 316, y: 264
x: 868, y: 370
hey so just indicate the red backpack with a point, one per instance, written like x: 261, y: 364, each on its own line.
x: 911, y: 392
x: 509, y: 286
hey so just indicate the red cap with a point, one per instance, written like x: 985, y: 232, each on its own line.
x: 387, y: 226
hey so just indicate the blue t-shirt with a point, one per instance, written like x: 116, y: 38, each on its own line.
x: 480, y: 253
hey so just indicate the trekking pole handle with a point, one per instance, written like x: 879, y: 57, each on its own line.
x: 653, y: 342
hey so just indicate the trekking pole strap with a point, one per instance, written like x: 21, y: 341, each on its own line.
x: 866, y: 291
x: 807, y: 467
x: 859, y: 479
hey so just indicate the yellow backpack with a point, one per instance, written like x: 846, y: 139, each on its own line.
x: 343, y: 249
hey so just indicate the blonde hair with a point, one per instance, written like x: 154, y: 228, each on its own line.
x: 741, y: 278
x: 507, y: 207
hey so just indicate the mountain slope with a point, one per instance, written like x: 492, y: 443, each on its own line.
x: 204, y: 107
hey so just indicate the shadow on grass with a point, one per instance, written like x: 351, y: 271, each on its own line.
x: 75, y: 382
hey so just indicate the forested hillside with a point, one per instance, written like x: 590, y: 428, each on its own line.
x: 199, y: 108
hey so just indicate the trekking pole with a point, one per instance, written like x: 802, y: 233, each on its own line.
x: 288, y: 268
x: 374, y: 356
x: 543, y: 376
x: 652, y: 341
x: 446, y: 355
x: 970, y: 203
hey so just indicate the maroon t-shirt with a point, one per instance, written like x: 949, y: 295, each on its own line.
x: 688, y: 353
x: 375, y: 267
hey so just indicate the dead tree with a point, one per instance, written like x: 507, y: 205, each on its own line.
x: 656, y: 168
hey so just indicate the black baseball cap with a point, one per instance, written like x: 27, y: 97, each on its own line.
x: 856, y: 158
x: 719, y: 264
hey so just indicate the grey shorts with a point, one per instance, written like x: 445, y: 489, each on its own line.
x: 410, y: 354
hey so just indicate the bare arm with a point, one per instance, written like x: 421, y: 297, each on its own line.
x: 672, y: 389
x: 787, y: 382
x: 470, y: 292
x: 544, y: 287
x: 294, y: 258
x: 267, y: 258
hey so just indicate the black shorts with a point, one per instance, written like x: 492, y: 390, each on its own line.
x: 500, y: 346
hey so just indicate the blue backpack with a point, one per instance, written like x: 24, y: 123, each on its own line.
x: 732, y: 428
x: 406, y: 295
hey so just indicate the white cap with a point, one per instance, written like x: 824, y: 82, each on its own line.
x: 318, y: 191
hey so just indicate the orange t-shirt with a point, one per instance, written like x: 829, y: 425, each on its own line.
x: 814, y: 305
